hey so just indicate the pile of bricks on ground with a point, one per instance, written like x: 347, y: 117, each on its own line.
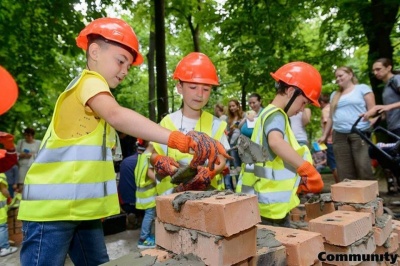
x: 353, y: 225
x: 14, y: 227
x: 223, y: 229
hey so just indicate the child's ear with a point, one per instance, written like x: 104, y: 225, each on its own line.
x: 179, y: 87
x: 93, y: 51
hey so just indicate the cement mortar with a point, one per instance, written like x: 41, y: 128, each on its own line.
x: 321, y: 199
x: 382, y: 220
x: 358, y: 206
x: 193, y: 233
x: 363, y: 240
x: 266, y: 238
x: 180, y: 199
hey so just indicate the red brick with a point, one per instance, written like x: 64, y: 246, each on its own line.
x: 298, y: 214
x: 374, y: 207
x: 161, y: 255
x: 396, y: 227
x: 342, y: 228
x: 302, y: 247
x: 318, y: 209
x: 382, y: 229
x: 390, y: 246
x: 212, y: 249
x: 366, y: 245
x: 223, y: 215
x: 355, y: 191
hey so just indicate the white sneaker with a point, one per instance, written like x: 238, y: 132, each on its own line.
x: 7, y: 251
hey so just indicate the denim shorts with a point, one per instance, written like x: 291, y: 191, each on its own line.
x: 48, y: 243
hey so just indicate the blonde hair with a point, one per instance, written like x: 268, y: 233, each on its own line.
x: 339, y: 92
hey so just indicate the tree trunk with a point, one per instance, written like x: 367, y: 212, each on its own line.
x: 152, y: 82
x: 378, y: 18
x: 162, y: 92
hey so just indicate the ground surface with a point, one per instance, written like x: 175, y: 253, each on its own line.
x: 125, y: 242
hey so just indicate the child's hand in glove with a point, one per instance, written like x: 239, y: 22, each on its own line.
x: 311, y: 181
x: 200, y: 182
x: 204, y: 147
x: 164, y: 165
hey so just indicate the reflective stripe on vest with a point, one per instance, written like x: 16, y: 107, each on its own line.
x: 274, y: 182
x: 72, y: 179
x: 146, y: 197
x: 208, y: 124
x: 146, y: 191
x: 72, y: 153
x: 69, y: 191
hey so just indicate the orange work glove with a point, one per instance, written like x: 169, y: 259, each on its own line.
x: 7, y: 140
x: 225, y: 171
x: 311, y: 181
x: 204, y: 147
x: 200, y: 182
x: 164, y: 165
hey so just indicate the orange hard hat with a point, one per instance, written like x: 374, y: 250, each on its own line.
x: 303, y: 76
x: 112, y: 29
x: 197, y: 68
x: 8, y: 91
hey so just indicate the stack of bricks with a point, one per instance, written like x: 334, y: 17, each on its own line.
x: 220, y: 229
x: 14, y: 227
x: 358, y: 226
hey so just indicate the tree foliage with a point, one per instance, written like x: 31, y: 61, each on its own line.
x: 246, y: 40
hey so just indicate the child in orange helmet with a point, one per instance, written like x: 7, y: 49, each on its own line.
x: 289, y: 168
x: 71, y: 185
x: 196, y: 75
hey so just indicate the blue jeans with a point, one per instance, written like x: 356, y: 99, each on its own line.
x: 47, y: 243
x: 228, y: 182
x: 4, y: 236
x: 147, y: 223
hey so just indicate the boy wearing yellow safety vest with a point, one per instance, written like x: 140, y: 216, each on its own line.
x: 146, y: 193
x: 289, y: 170
x: 196, y: 75
x: 71, y: 185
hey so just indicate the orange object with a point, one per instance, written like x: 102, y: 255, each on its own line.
x: 303, y: 76
x: 165, y: 166
x: 112, y: 29
x: 201, y: 181
x: 8, y: 91
x: 197, y: 68
x: 311, y: 180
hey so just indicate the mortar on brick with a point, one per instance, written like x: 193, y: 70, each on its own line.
x: 382, y: 228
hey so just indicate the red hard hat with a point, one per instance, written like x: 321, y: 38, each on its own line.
x: 303, y: 76
x: 8, y: 91
x: 112, y: 29
x: 197, y: 68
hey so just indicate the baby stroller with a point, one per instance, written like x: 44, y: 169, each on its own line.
x: 387, y: 155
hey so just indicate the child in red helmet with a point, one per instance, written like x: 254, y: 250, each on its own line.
x: 196, y: 75
x: 289, y: 169
x: 71, y: 185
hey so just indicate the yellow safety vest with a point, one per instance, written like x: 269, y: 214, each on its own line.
x: 208, y: 124
x: 274, y: 182
x: 72, y: 179
x: 3, y: 201
x: 146, y: 191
